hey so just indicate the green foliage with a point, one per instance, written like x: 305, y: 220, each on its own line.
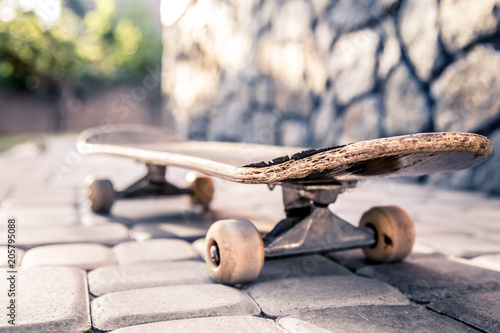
x: 102, y: 47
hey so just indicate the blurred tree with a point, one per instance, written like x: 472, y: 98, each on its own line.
x: 65, y: 51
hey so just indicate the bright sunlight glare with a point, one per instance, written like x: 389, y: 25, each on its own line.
x: 7, y: 10
x: 172, y: 10
x: 48, y: 12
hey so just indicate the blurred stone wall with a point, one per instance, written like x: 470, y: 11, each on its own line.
x: 321, y: 73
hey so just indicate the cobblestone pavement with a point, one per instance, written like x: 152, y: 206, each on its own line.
x: 140, y: 268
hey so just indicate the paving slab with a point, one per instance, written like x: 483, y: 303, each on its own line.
x: 195, y: 228
x: 352, y: 259
x: 485, y: 215
x: 231, y: 324
x: 154, y: 250
x: 109, y: 234
x: 283, y: 297
x: 490, y: 235
x: 298, y: 267
x: 491, y: 262
x: 356, y: 259
x: 60, y: 215
x: 42, y: 197
x: 49, y: 299
x: 109, y: 279
x: 173, y: 209
x: 4, y: 255
x: 481, y: 310
x: 84, y: 256
x: 479, y: 221
x: 89, y: 218
x: 294, y: 325
x: 429, y: 279
x: 375, y: 319
x: 199, y: 246
x: 5, y: 190
x: 459, y: 245
x: 442, y: 197
x: 141, y: 306
x: 423, y: 230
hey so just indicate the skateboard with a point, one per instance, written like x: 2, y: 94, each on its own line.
x: 311, y: 180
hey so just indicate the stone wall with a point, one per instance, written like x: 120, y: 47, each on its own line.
x: 322, y: 73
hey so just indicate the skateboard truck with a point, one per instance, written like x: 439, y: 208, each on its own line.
x: 310, y: 227
x: 152, y: 184
x: 235, y: 251
x: 102, y: 194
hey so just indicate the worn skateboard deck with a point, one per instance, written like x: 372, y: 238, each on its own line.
x: 400, y: 156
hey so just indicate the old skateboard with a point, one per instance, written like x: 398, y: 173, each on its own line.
x: 310, y: 179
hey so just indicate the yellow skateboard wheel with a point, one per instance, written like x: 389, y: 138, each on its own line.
x: 394, y: 232
x: 202, y: 189
x: 101, y: 195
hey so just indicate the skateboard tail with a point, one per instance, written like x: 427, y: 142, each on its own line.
x: 212, y: 168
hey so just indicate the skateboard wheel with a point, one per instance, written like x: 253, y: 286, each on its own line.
x: 202, y: 189
x: 101, y: 195
x: 234, y: 251
x: 394, y: 232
